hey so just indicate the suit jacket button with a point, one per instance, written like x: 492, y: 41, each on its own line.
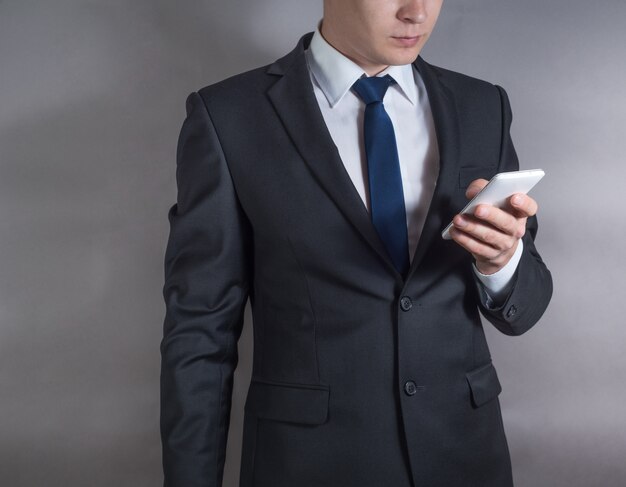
x: 406, y: 303
x: 410, y: 388
x: 511, y: 311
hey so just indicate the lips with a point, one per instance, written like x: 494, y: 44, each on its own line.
x: 407, y: 41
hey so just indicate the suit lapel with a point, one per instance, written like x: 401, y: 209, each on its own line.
x: 294, y: 101
x: 445, y: 118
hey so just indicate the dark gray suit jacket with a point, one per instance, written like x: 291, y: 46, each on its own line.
x: 361, y: 377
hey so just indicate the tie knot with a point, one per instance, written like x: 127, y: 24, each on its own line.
x: 373, y: 88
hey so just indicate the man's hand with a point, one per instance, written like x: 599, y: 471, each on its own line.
x: 492, y: 234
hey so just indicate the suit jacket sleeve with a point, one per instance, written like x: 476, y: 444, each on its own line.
x: 207, y: 277
x: 532, y: 288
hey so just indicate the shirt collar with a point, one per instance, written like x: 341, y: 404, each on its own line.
x: 336, y: 74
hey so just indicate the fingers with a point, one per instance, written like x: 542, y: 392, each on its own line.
x: 524, y: 205
x: 474, y: 187
x: 488, y: 259
x: 499, y: 219
x: 491, y: 234
x: 495, y: 228
x: 477, y: 247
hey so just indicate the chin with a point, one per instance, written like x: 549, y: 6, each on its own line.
x: 404, y: 57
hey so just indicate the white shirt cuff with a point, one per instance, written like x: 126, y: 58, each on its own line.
x: 496, y: 287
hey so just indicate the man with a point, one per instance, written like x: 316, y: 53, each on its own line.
x: 299, y: 188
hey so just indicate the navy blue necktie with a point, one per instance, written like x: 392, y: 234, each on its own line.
x: 385, y: 181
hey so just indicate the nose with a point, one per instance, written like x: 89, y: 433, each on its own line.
x: 413, y: 11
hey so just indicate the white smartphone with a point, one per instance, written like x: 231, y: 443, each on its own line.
x: 500, y: 187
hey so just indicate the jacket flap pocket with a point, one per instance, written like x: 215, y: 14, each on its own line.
x: 283, y: 401
x: 484, y: 383
x: 469, y: 173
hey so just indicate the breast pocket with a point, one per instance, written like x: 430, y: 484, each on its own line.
x: 468, y: 174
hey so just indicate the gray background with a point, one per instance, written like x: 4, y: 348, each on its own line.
x: 91, y: 101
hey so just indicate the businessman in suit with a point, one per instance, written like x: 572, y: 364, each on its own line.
x: 318, y: 187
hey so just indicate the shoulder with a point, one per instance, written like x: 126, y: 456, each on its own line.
x: 475, y: 98
x: 239, y: 87
x: 249, y: 88
x: 461, y: 82
x: 465, y: 88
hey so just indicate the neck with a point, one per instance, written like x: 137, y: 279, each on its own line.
x: 328, y: 33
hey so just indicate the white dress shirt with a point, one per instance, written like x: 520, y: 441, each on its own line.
x: 406, y: 102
